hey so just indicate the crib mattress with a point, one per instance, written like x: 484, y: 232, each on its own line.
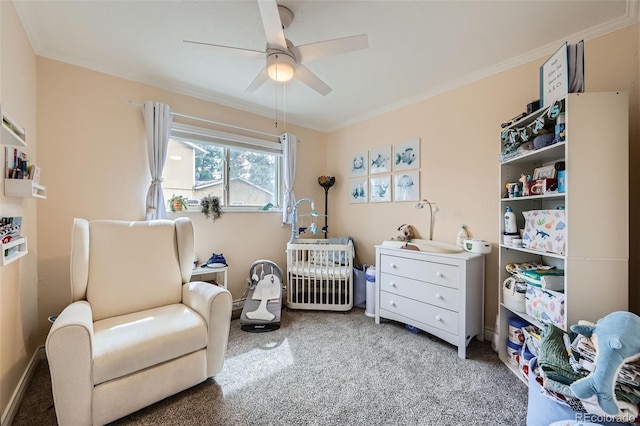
x: 312, y: 270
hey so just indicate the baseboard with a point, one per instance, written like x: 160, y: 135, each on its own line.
x: 18, y: 393
x: 488, y: 334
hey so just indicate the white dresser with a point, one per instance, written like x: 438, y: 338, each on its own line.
x: 442, y: 294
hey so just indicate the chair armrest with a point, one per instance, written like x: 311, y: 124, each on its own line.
x: 214, y: 304
x: 70, y: 353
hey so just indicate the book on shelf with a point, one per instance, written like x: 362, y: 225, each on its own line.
x: 18, y: 166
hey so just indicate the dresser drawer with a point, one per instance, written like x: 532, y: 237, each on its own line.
x: 432, y: 272
x: 444, y: 297
x: 433, y: 316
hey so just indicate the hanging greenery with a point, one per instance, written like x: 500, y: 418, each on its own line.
x: 211, y: 207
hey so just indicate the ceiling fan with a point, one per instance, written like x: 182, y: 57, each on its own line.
x: 284, y: 61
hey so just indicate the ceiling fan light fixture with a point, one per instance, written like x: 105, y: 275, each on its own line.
x: 280, y: 67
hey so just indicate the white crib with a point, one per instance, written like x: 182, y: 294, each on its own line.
x: 319, y: 275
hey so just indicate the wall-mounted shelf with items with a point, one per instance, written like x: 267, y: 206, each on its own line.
x: 593, y: 211
x: 14, y: 250
x: 12, y: 133
x: 24, y: 188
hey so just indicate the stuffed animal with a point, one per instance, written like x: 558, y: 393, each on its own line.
x: 616, y: 338
x: 405, y: 233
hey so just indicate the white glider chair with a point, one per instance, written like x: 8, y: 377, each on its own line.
x: 137, y: 330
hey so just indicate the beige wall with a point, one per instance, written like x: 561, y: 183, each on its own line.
x: 20, y: 332
x: 92, y: 153
x: 460, y: 142
x: 94, y: 165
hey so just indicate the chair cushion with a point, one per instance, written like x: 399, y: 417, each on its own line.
x: 133, y: 266
x: 133, y: 342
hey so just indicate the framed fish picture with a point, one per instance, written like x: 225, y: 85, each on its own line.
x: 358, y: 190
x: 406, y: 155
x: 359, y: 164
x: 380, y: 189
x: 406, y: 186
x: 380, y: 159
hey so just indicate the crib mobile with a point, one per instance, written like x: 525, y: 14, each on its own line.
x: 312, y: 217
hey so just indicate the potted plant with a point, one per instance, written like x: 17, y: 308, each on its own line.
x: 177, y: 203
x: 211, y: 207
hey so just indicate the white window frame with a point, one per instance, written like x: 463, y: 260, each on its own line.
x: 196, y: 134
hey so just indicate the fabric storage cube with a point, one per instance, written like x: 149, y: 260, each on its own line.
x: 546, y: 306
x: 544, y: 230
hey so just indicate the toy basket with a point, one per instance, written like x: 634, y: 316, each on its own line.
x: 511, y: 297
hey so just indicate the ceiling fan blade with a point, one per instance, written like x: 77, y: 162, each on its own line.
x: 272, y: 24
x: 258, y: 81
x: 305, y: 75
x: 251, y: 52
x: 312, y: 51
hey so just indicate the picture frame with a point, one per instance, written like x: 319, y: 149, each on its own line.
x: 406, y: 155
x: 380, y: 159
x: 358, y: 191
x: 547, y: 172
x: 554, y: 77
x: 380, y: 189
x: 406, y: 186
x: 359, y: 164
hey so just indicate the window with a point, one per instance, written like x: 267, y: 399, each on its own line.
x: 244, y: 172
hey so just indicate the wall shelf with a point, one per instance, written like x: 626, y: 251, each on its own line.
x: 14, y: 250
x: 12, y: 132
x: 24, y: 188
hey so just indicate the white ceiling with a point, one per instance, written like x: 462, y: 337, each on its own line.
x: 416, y: 48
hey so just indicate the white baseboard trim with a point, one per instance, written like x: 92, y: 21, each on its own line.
x: 18, y: 393
x: 488, y: 334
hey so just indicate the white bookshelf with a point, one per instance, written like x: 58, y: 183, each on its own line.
x: 11, y: 253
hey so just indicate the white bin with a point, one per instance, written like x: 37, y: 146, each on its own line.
x: 370, y: 276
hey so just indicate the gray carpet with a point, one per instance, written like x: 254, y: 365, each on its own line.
x: 324, y: 368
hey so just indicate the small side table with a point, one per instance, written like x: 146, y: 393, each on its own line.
x: 204, y: 274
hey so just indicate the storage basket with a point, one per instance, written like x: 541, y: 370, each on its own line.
x: 544, y: 230
x: 511, y: 298
x: 546, y: 306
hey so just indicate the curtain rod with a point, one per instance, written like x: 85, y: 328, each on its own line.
x: 191, y: 117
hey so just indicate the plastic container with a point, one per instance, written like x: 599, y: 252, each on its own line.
x: 510, y: 227
x: 513, y: 351
x: 370, y: 276
x: 462, y: 236
x: 516, y: 336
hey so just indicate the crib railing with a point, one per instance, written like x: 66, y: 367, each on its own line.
x: 319, y: 275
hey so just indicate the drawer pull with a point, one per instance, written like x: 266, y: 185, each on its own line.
x: 439, y: 274
x: 438, y: 296
x: 438, y: 318
x: 393, y: 265
x: 393, y: 284
x: 392, y: 303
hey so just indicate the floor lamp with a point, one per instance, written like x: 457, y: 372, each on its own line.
x: 326, y: 182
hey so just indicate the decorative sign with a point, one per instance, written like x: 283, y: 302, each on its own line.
x: 527, y: 129
x: 554, y: 77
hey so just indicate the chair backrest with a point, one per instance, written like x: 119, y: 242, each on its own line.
x: 121, y: 267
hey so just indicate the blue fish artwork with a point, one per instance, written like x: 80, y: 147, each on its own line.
x: 380, y: 161
x: 407, y: 156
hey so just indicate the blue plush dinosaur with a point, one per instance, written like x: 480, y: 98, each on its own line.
x: 616, y: 338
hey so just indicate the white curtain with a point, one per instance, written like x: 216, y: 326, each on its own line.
x: 289, y: 142
x: 157, y: 121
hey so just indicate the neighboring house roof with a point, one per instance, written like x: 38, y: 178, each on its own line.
x: 211, y: 183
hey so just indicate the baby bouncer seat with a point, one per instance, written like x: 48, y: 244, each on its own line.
x: 263, y: 302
